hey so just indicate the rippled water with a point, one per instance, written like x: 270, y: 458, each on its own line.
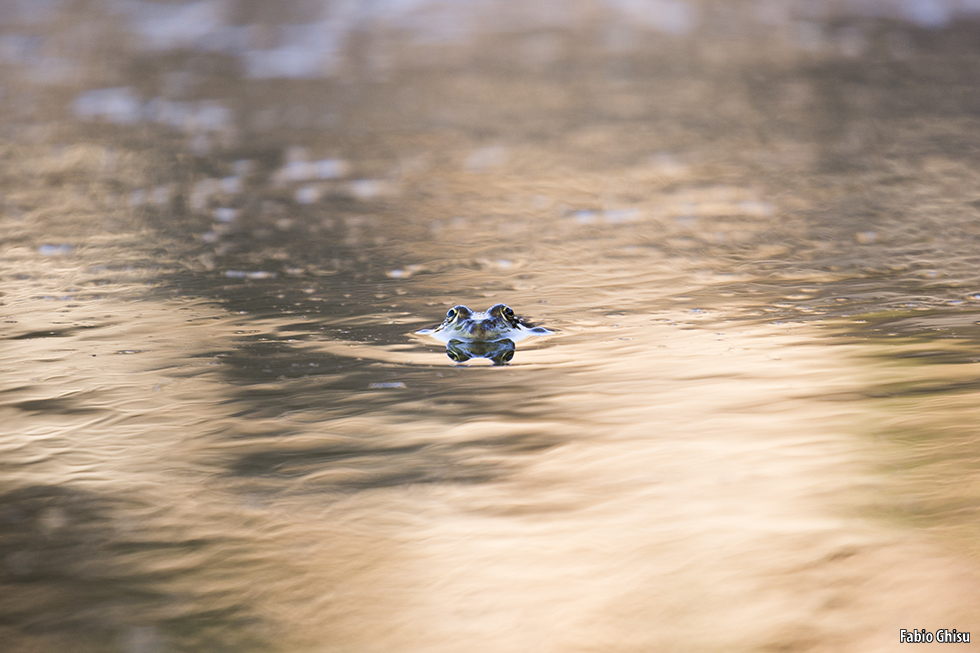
x: 753, y: 428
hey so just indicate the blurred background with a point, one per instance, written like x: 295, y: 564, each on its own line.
x: 753, y: 225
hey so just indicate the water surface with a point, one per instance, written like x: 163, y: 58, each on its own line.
x: 752, y: 429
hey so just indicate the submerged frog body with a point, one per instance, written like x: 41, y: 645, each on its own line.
x: 497, y: 323
x: 487, y: 334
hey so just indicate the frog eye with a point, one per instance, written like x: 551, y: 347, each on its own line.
x: 452, y: 314
x: 508, y: 311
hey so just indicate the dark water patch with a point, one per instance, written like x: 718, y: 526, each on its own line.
x: 62, y: 547
x: 264, y: 358
x: 76, y: 404
x: 911, y: 390
x: 367, y: 469
x: 52, y: 333
x: 372, y: 461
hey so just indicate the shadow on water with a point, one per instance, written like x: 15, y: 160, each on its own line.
x: 86, y: 572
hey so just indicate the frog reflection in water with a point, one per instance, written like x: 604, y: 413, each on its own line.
x: 490, y: 334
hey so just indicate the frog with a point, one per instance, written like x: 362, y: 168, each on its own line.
x: 487, y: 334
x: 498, y: 322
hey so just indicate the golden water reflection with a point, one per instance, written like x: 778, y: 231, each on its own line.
x: 656, y: 482
x: 752, y: 430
